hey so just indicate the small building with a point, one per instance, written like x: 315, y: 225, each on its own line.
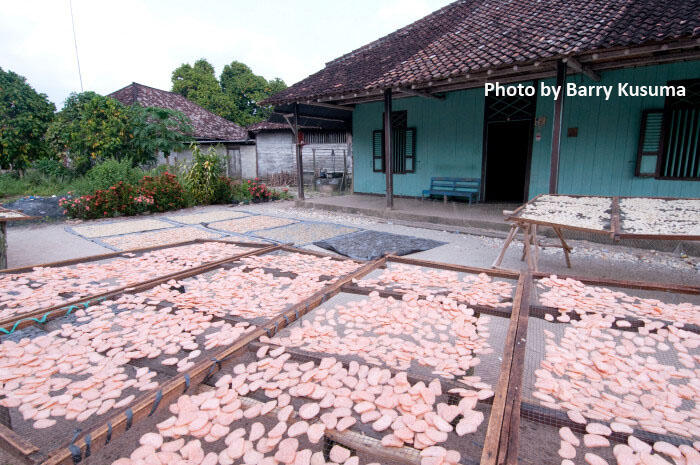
x: 230, y: 140
x: 324, y: 150
x: 467, y: 92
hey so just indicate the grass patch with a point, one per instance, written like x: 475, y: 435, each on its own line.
x: 13, y: 187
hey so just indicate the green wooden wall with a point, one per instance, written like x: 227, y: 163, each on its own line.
x: 448, y: 140
x: 601, y: 160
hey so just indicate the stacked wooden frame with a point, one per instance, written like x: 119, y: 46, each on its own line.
x: 502, y: 435
x: 529, y: 227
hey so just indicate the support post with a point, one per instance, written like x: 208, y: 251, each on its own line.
x: 387, y: 150
x: 313, y: 179
x: 352, y: 160
x: 3, y: 245
x: 556, y: 129
x: 300, y: 167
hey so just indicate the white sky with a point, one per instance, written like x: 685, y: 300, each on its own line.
x: 122, y: 41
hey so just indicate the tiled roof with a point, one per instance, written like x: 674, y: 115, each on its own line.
x: 207, y: 125
x: 469, y: 36
x: 267, y: 126
x: 272, y: 126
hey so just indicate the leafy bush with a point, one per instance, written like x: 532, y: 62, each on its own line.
x: 259, y: 192
x: 91, y: 128
x: 202, y: 180
x: 150, y: 194
x: 165, y: 190
x: 24, y: 117
x: 120, y: 199
x: 223, y: 190
x: 107, y: 174
x: 52, y: 168
x: 240, y: 192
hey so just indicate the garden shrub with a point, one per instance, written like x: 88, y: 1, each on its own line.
x: 202, y: 180
x: 108, y: 173
x: 223, y: 190
x: 151, y: 194
x: 117, y: 200
x: 240, y: 192
x: 162, y: 191
x: 52, y: 169
x: 165, y: 190
x: 259, y: 192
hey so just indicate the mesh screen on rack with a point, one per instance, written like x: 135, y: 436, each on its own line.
x: 610, y: 376
x: 270, y: 406
x: 429, y: 361
x: 254, y: 288
x: 45, y: 287
x: 468, y: 288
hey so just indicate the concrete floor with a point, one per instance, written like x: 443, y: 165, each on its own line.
x: 480, y: 215
x: 42, y: 243
x: 46, y: 242
x: 464, y: 217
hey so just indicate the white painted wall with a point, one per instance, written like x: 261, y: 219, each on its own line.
x: 328, y: 157
x: 248, y: 167
x: 248, y: 162
x: 185, y: 156
x: 275, y: 151
x: 276, y: 154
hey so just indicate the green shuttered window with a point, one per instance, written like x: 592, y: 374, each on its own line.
x: 378, y: 151
x: 682, y: 151
x: 650, y: 142
x: 403, y: 147
x: 669, y: 140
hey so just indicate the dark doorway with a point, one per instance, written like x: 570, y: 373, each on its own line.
x: 508, y: 146
x: 508, y: 127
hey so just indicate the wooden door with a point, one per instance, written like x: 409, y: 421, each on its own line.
x: 233, y: 163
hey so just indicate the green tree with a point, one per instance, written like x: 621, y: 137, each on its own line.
x: 234, y: 96
x: 158, y: 130
x: 198, y: 83
x: 90, y: 128
x: 24, y: 118
x: 245, y: 89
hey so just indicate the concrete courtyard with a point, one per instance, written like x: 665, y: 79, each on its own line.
x: 285, y: 222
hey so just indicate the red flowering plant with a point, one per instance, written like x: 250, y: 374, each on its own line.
x: 151, y: 194
x: 115, y: 201
x: 165, y: 192
x: 259, y: 192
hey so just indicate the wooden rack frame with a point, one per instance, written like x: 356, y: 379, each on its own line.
x: 529, y: 228
x: 502, y: 431
x: 3, y: 230
x: 24, y: 319
x: 22, y: 217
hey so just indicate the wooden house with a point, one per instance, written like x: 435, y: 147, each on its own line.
x: 323, y: 150
x: 230, y: 140
x: 417, y: 105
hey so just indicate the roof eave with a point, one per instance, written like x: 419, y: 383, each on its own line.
x: 658, y: 52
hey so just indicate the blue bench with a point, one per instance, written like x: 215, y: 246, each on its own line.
x: 454, y: 187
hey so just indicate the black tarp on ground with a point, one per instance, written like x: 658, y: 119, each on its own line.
x: 46, y: 208
x: 369, y: 245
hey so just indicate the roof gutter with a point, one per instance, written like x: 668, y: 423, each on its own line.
x: 222, y: 141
